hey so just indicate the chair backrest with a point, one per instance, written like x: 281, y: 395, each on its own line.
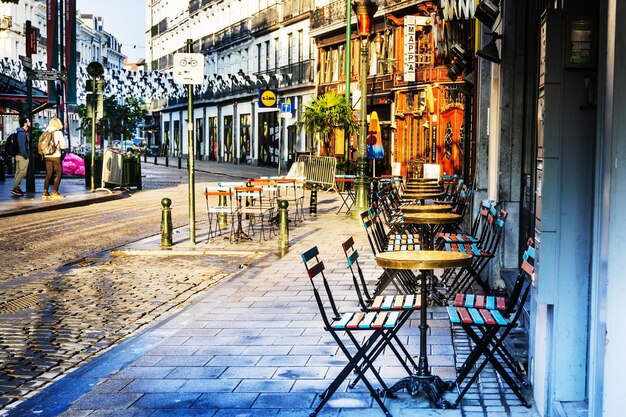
x: 374, y: 228
x: 248, y: 196
x: 269, y: 190
x: 315, y: 270
x: 222, y: 194
x: 522, y: 286
x: 352, y: 257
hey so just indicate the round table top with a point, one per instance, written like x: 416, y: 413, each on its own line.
x: 432, y: 218
x: 420, y: 196
x: 428, y: 208
x: 423, y: 259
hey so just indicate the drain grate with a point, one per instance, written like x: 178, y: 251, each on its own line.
x: 81, y: 263
x: 19, y: 304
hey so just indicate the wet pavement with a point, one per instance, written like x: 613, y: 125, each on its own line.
x: 213, y: 329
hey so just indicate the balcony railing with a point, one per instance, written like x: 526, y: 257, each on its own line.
x: 330, y: 14
x: 232, y: 34
x: 295, y: 74
x: 266, y: 18
x: 294, y: 8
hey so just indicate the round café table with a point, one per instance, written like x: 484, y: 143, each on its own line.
x: 425, y: 261
x: 425, y: 222
x: 428, y: 208
x: 424, y: 190
x: 407, y: 195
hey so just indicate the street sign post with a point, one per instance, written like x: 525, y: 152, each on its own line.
x: 49, y: 75
x: 188, y: 68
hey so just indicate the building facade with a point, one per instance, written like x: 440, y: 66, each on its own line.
x: 249, y: 47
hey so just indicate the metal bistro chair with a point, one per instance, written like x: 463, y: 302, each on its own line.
x: 482, y: 253
x: 379, y: 241
x: 381, y: 327
x: 221, y: 213
x: 250, y: 204
x: 405, y: 303
x: 488, y: 330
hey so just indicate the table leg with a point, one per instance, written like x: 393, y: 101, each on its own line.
x: 423, y: 380
x: 427, y: 234
x: 239, y: 233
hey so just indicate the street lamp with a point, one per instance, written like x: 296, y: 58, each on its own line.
x: 364, y: 10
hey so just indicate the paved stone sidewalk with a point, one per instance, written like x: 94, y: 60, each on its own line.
x: 254, y: 346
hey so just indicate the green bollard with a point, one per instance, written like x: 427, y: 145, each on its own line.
x: 166, y: 223
x: 222, y: 218
x: 283, y: 224
x: 313, y: 201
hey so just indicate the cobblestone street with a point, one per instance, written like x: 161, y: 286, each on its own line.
x: 64, y: 300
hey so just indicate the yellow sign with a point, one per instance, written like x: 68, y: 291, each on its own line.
x: 267, y: 98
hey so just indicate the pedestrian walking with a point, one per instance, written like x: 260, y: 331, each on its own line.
x: 21, y: 159
x: 53, y: 160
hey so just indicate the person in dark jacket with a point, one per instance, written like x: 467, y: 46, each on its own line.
x: 21, y: 159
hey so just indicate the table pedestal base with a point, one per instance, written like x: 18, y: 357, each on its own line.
x: 431, y: 385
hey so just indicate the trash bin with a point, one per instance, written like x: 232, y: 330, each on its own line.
x: 131, y: 171
x: 97, y: 174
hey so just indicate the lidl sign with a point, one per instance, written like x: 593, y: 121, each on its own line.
x: 267, y: 98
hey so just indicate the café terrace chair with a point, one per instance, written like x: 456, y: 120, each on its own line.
x: 405, y: 303
x: 379, y: 241
x: 250, y: 204
x: 464, y: 301
x: 488, y: 330
x: 220, y: 209
x: 483, y: 252
x: 376, y: 329
x: 475, y: 235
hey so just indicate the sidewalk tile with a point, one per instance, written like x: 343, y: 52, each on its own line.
x: 226, y: 400
x: 283, y: 400
x: 264, y: 385
x: 194, y: 372
x: 206, y: 385
x: 154, y: 385
x: 176, y: 400
x: 93, y: 401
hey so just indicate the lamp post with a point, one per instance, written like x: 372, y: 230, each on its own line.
x: 364, y: 10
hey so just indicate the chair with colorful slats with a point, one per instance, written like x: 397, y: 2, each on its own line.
x: 380, y: 326
x: 463, y: 301
x: 405, y: 303
x: 404, y: 281
x: 488, y: 329
x: 475, y: 235
x: 482, y: 252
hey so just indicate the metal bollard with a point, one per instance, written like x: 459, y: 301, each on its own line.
x: 283, y: 224
x: 222, y: 218
x: 313, y: 200
x: 166, y: 223
x: 156, y: 161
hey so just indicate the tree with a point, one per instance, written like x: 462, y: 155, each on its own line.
x: 325, y: 114
x: 119, y: 120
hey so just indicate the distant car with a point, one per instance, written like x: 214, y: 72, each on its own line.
x: 139, y: 144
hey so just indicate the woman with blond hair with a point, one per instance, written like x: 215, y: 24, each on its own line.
x: 53, y: 161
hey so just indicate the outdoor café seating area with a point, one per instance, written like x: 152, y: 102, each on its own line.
x: 431, y: 252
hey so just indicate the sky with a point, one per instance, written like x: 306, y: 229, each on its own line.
x: 124, y: 19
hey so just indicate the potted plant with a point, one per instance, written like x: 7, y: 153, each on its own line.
x: 324, y: 115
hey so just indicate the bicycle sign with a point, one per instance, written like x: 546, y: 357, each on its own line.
x: 188, y: 68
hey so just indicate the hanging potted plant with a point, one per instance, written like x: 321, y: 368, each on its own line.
x: 324, y: 115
